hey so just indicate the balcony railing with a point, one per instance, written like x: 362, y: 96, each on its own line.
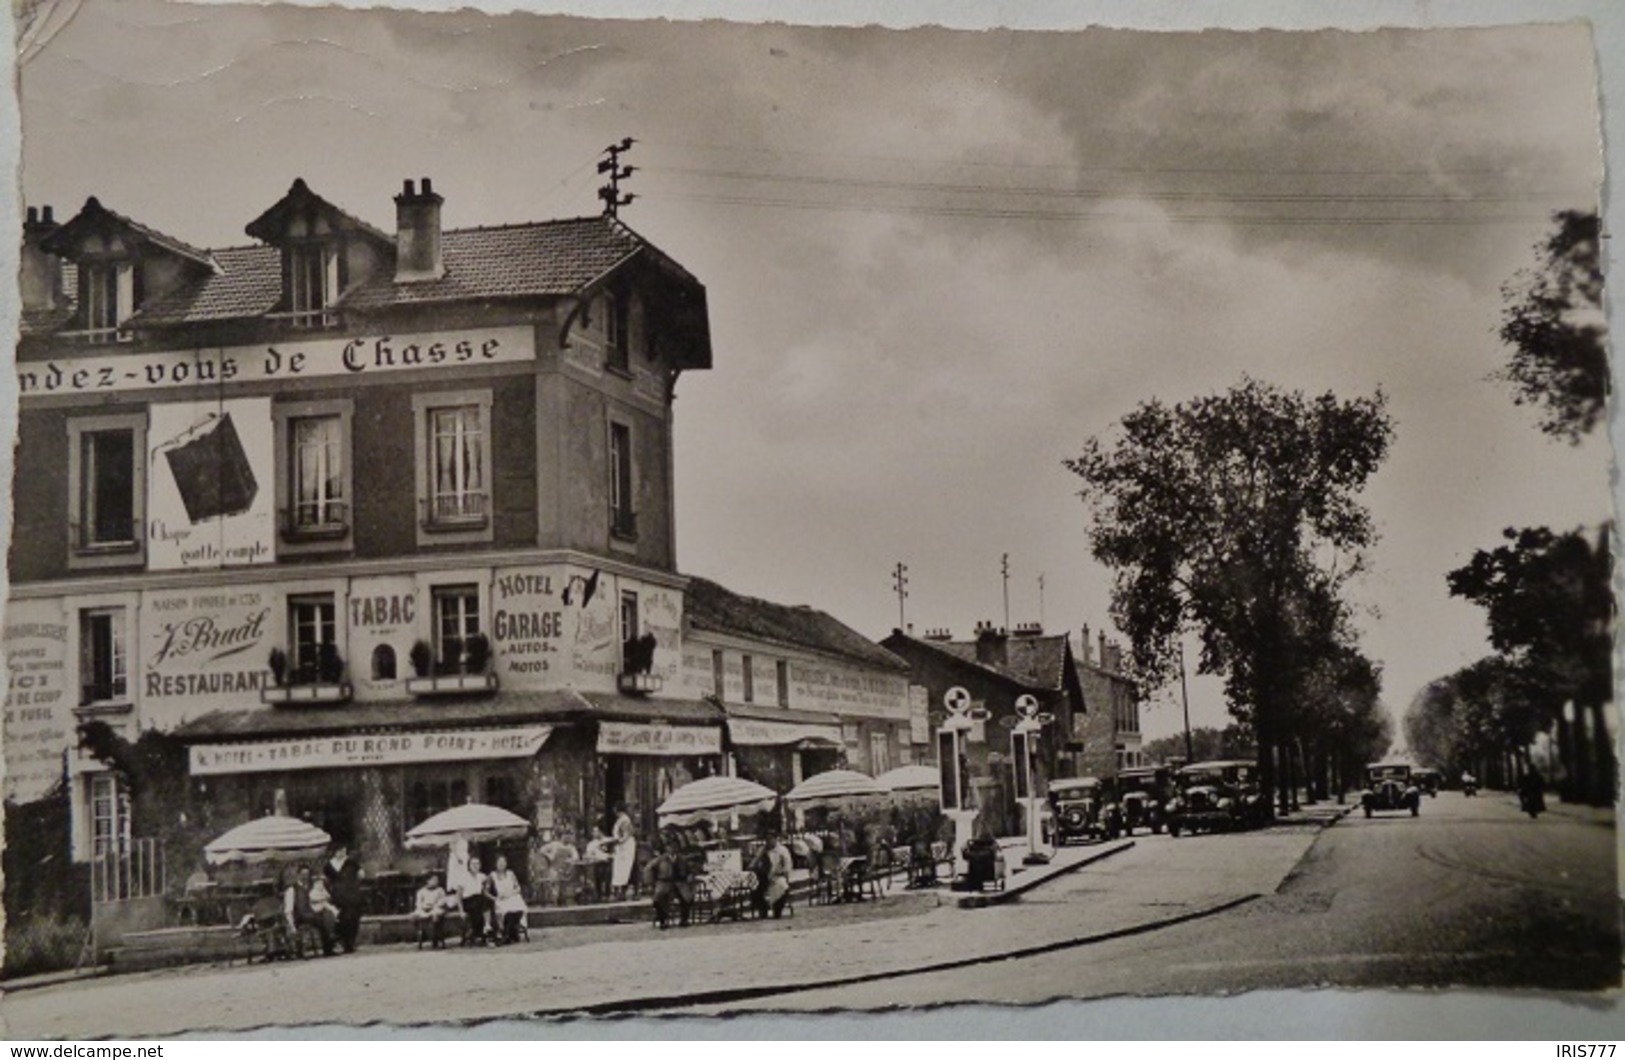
x: 307, y: 318
x: 313, y: 692
x: 96, y: 335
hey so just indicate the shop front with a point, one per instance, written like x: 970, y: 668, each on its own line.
x: 780, y: 747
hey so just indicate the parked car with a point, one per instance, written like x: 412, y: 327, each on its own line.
x: 1216, y: 797
x: 1143, y: 792
x: 1428, y: 781
x: 1389, y: 786
x: 1084, y: 808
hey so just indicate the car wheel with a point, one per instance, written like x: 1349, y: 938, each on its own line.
x: 1367, y: 810
x: 1156, y: 829
x: 1173, y: 829
x: 1416, y: 809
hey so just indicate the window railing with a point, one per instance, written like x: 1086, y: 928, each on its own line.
x: 456, y: 510
x: 86, y: 539
x: 96, y: 335
x: 623, y: 524
x: 316, y: 519
x: 307, y: 318
x: 110, y: 690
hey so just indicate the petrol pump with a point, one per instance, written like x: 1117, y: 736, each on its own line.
x: 951, y: 760
x: 1024, y: 741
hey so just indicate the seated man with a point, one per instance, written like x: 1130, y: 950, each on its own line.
x: 478, y: 904
x: 300, y: 909
x: 429, y: 913
x: 558, y: 879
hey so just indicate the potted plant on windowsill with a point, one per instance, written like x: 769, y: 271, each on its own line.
x: 321, y: 683
x: 637, y: 676
x: 461, y: 670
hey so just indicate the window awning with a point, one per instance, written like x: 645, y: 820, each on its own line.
x: 765, y: 727
x: 373, y: 749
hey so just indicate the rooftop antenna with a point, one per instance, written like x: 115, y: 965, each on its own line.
x: 611, y: 193
x: 1040, y: 599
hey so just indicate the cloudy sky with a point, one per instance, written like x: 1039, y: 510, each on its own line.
x: 937, y: 260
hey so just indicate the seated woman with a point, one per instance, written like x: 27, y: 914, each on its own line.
x: 429, y: 913
x: 508, y: 902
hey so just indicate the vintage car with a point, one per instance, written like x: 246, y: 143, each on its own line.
x: 1427, y: 781
x: 1215, y: 797
x: 1389, y: 786
x: 1143, y: 793
x: 1085, y: 808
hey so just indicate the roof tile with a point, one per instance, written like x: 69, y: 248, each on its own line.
x: 709, y: 606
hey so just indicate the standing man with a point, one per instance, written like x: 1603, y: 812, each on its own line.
x: 343, y: 875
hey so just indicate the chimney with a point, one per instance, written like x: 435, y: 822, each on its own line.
x: 1103, y: 649
x: 417, y: 234
x: 941, y: 636
x: 41, y: 271
x: 992, y: 645
x: 1028, y: 629
x: 1083, y: 647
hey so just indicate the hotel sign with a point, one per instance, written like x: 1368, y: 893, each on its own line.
x: 629, y: 738
x: 126, y: 371
x: 334, y: 752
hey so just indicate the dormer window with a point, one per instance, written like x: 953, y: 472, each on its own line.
x: 313, y: 284
x: 107, y: 297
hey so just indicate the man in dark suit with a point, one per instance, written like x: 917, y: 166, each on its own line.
x: 343, y: 875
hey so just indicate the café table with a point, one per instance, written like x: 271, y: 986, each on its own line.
x: 729, y: 891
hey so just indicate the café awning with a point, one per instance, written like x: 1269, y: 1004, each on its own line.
x: 750, y: 726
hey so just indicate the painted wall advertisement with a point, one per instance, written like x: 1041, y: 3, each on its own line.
x: 211, y: 495
x: 919, y: 714
x: 38, y: 709
x: 383, y: 625
x: 531, y: 624
x: 332, y: 752
x: 204, y: 650
x: 815, y: 686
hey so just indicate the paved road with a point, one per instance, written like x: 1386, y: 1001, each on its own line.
x: 1470, y: 893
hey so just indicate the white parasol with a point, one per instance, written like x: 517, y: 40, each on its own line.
x: 474, y: 822
x: 910, y: 778
x: 714, y: 797
x: 833, y: 787
x: 268, y: 839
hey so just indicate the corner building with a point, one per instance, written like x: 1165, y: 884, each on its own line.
x: 375, y: 523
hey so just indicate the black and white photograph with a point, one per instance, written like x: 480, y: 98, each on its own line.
x: 523, y: 520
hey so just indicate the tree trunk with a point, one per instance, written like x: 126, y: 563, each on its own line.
x: 1603, y: 788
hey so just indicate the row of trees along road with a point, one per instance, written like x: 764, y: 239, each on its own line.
x: 1236, y: 517
x: 1547, y: 595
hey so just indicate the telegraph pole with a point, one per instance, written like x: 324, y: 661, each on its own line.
x: 611, y: 192
x: 1004, y: 565
x: 1040, y: 599
x: 899, y: 579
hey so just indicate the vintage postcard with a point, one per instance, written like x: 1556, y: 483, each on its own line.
x: 522, y: 517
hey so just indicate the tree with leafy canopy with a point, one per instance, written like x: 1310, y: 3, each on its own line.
x: 1471, y: 719
x: 1220, y: 515
x: 1549, y: 601
x: 1554, y: 323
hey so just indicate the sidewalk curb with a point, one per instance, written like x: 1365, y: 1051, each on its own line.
x: 35, y: 982
x: 723, y: 996
x: 982, y: 900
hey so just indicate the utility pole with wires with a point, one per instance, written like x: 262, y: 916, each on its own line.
x: 1004, y: 569
x: 611, y: 192
x: 1185, y: 700
x: 899, y: 578
x: 1041, y: 600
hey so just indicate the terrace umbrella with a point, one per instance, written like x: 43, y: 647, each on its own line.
x: 834, y: 787
x: 268, y: 839
x: 474, y: 822
x: 910, y: 779
x: 714, y: 797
